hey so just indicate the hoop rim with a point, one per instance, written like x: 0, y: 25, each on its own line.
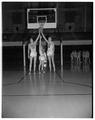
x: 43, y: 21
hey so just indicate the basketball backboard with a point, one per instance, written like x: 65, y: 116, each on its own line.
x: 48, y: 16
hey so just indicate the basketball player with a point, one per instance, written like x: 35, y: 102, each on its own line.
x: 42, y: 57
x: 83, y: 56
x: 32, y: 54
x: 72, y: 57
x: 75, y: 56
x: 50, y: 51
x: 87, y: 57
x: 79, y: 57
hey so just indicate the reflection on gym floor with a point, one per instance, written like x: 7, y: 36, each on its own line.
x: 48, y: 95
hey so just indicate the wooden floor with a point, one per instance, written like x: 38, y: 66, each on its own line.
x: 63, y: 94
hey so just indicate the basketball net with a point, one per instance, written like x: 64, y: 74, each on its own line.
x: 41, y: 24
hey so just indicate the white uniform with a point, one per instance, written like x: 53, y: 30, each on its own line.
x: 50, y: 50
x: 33, y: 52
x: 42, y: 57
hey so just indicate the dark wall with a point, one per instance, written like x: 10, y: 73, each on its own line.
x: 75, y: 17
x: 72, y: 17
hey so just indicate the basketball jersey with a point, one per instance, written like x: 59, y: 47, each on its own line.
x: 33, y: 48
x: 42, y: 57
x: 50, y: 48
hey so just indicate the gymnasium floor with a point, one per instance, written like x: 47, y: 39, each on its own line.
x: 63, y: 94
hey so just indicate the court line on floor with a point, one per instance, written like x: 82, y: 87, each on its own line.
x: 9, y: 84
x: 19, y: 81
x: 22, y: 78
x: 74, y: 83
x: 49, y: 94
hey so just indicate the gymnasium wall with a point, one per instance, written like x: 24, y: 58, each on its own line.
x: 72, y: 17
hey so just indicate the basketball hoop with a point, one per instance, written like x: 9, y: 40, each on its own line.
x: 41, y: 15
x: 41, y: 24
x: 41, y: 21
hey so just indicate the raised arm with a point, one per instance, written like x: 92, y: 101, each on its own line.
x: 44, y: 37
x: 40, y: 44
x: 37, y: 38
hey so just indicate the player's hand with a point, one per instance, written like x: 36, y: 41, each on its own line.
x: 40, y: 29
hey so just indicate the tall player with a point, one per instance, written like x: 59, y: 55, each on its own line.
x: 50, y: 51
x: 42, y: 57
x: 32, y: 54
